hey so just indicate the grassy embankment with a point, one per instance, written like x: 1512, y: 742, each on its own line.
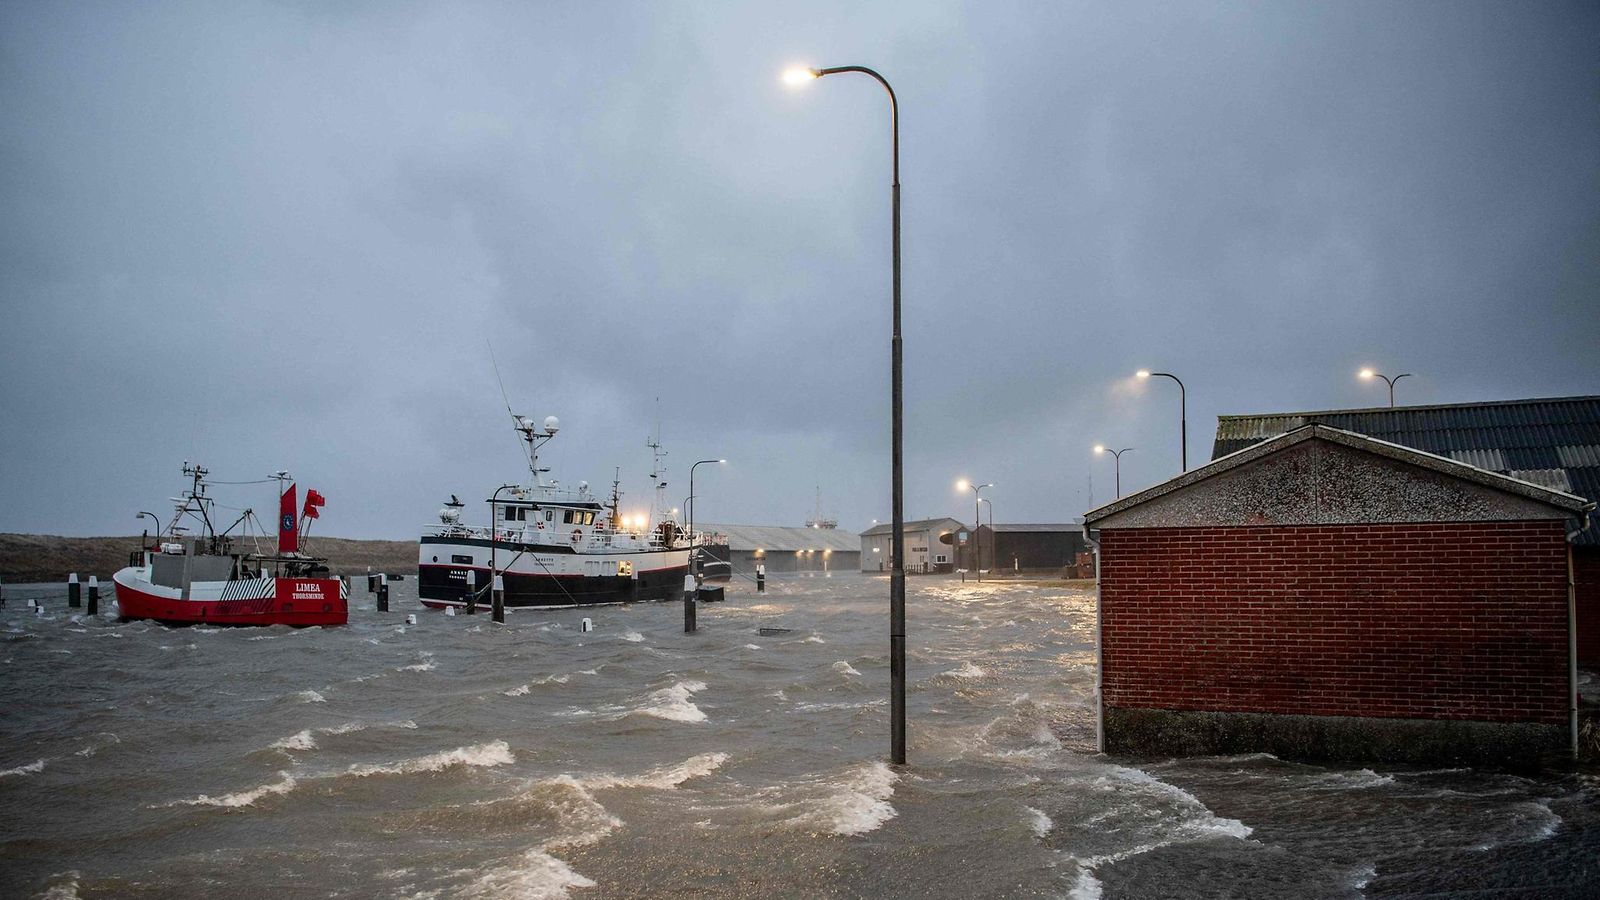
x: 46, y: 557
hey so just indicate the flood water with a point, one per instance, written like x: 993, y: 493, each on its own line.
x: 456, y: 758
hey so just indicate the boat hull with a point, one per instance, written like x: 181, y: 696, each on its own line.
x: 545, y: 578
x: 299, y: 602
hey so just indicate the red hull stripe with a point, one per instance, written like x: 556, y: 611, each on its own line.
x: 328, y: 608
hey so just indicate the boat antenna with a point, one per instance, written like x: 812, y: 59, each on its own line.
x: 658, y: 472
x: 522, y: 424
x: 616, y: 499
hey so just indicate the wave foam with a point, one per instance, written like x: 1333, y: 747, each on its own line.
x: 967, y: 670
x: 673, y: 703
x: 661, y: 779
x: 29, y: 769
x: 1039, y: 822
x: 283, y: 785
x: 493, y: 753
x: 860, y: 805
x: 310, y: 697
x: 844, y: 668
x: 633, y: 637
x: 535, y: 875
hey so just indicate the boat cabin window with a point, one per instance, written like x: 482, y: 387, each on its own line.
x: 588, y: 518
x: 549, y: 515
x: 568, y: 518
x: 459, y: 558
x: 516, y: 514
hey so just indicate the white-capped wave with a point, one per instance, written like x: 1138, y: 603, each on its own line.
x: 533, y: 875
x: 844, y: 668
x: 65, y: 887
x: 493, y: 753
x: 1087, y: 887
x: 967, y: 670
x: 1361, y: 778
x: 310, y: 697
x: 300, y: 740
x: 424, y: 666
x: 752, y: 646
x: 32, y: 768
x: 518, y: 691
x: 283, y: 785
x: 633, y: 637
x: 1039, y: 822
x: 813, y: 640
x: 673, y: 703
x: 661, y: 779
x: 1206, y: 823
x: 856, y: 804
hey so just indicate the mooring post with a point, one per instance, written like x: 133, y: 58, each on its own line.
x: 383, y: 593
x: 688, y: 604
x: 94, y: 595
x: 498, y: 597
x: 587, y: 625
x: 761, y: 578
x: 372, y: 581
x: 472, y: 593
x: 74, y: 591
x: 2, y: 592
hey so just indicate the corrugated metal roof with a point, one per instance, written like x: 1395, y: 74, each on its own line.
x: 1550, y: 441
x: 1003, y: 527
x: 784, y: 537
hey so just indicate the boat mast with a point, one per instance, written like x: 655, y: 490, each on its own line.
x: 616, y: 499
x: 658, y: 472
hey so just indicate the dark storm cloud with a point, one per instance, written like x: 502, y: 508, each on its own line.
x: 279, y: 235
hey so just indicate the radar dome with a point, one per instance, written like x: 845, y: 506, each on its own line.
x: 551, y: 424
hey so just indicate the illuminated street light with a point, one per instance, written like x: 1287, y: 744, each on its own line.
x: 897, y: 570
x: 1183, y: 414
x: 1370, y: 374
x: 977, y: 548
x: 1117, y: 455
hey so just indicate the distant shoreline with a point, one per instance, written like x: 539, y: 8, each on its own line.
x: 44, y: 558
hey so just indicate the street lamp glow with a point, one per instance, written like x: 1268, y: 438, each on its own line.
x: 1099, y: 448
x: 1143, y: 373
x: 962, y: 484
x: 1367, y: 373
x: 800, y: 75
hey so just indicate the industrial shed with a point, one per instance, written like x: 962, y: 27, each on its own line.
x: 1325, y: 594
x: 931, y: 545
x: 785, y: 549
x: 1554, y: 442
x: 1029, y: 547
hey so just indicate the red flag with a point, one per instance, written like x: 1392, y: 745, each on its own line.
x: 313, y: 500
x: 288, y: 526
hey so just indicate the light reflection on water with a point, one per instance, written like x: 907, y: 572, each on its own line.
x: 458, y: 758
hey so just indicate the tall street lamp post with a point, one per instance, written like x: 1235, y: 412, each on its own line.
x: 897, y: 573
x: 1370, y: 374
x: 1117, y: 455
x: 977, y: 522
x: 1183, y: 414
x: 688, y: 509
x: 994, y: 560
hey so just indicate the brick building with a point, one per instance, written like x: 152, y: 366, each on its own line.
x: 1554, y: 442
x: 1325, y: 594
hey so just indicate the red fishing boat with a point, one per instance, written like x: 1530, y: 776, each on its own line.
x: 189, y: 577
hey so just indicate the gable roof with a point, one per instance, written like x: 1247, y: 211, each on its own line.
x: 1554, y: 442
x: 913, y: 525
x: 1566, y: 502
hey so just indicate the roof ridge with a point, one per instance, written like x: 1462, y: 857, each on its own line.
x: 1579, y: 398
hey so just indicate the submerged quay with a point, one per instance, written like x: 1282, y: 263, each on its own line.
x: 455, y: 758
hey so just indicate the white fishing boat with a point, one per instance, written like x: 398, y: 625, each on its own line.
x: 551, y: 546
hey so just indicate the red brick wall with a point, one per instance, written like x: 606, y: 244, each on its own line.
x: 1586, y: 574
x: 1431, y: 621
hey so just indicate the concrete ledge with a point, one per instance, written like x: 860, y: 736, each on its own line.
x: 1189, y: 733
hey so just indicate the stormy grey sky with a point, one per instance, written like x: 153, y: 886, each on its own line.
x: 277, y: 235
